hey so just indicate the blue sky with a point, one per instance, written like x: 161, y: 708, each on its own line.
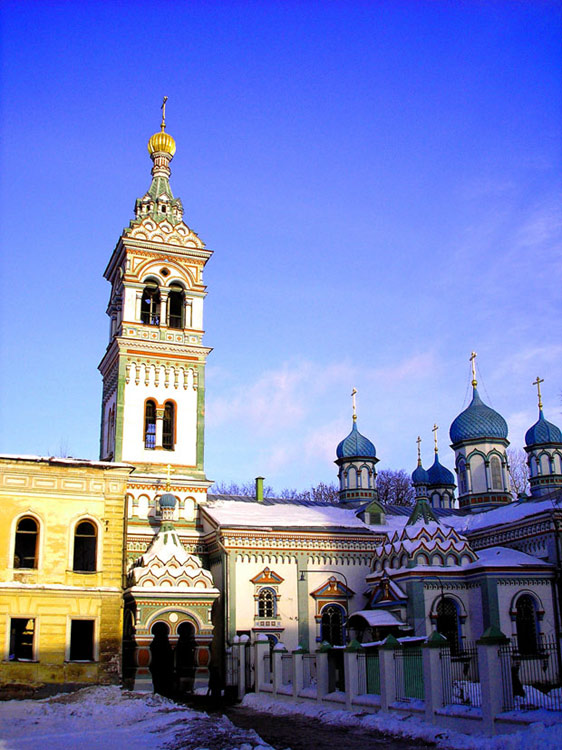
x: 380, y: 183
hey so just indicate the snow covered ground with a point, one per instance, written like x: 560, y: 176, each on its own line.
x: 537, y: 736
x: 107, y: 718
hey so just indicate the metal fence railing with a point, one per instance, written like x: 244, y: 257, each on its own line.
x: 361, y: 674
x: 408, y: 665
x: 460, y: 676
x: 287, y: 669
x: 267, y: 675
x: 309, y: 670
x: 532, y: 680
x: 232, y: 668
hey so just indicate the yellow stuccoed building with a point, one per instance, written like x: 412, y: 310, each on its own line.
x: 62, y: 535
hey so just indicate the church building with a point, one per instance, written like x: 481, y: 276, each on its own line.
x: 127, y: 569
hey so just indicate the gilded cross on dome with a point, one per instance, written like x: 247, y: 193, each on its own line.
x: 538, y: 382
x: 434, y: 430
x: 418, y: 441
x: 473, y: 365
x: 163, y: 108
x: 353, y: 394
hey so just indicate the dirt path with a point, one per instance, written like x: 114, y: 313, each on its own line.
x: 302, y: 733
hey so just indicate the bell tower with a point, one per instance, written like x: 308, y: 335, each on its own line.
x: 153, y: 405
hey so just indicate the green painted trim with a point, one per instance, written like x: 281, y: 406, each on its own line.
x: 490, y: 603
x: 492, y: 636
x: 302, y: 602
x: 389, y: 643
x: 120, y: 409
x: 200, y: 445
x: 354, y: 645
x: 231, y: 565
x: 436, y: 640
x: 324, y: 646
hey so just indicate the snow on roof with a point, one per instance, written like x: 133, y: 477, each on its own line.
x: 65, y: 460
x: 241, y: 513
x: 377, y: 617
x: 507, y: 514
x: 504, y: 556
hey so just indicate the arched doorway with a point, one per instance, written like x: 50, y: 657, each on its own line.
x: 331, y: 626
x: 185, y: 653
x: 448, y: 622
x: 162, y: 659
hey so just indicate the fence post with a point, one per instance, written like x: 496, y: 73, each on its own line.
x: 322, y: 677
x: 298, y: 670
x: 492, y: 685
x: 388, y: 671
x: 278, y: 651
x: 432, y: 674
x: 351, y: 671
x: 261, y: 647
x: 240, y: 649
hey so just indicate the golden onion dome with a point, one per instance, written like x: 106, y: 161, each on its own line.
x: 162, y: 141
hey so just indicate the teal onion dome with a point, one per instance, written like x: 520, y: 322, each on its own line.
x: 168, y: 500
x: 356, y: 445
x: 439, y: 474
x: 543, y: 432
x: 420, y: 475
x: 478, y: 421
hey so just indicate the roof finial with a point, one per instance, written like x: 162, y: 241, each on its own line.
x: 168, y: 472
x: 353, y: 393
x: 418, y: 441
x: 538, y: 382
x: 163, y: 108
x: 434, y: 430
x: 473, y: 365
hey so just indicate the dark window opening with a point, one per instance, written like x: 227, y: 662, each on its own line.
x: 82, y: 640
x: 526, y: 623
x: 150, y: 305
x: 85, y: 544
x: 150, y: 425
x: 25, y: 552
x: 168, y: 427
x: 495, y: 466
x: 175, y: 307
x: 22, y: 632
x: 448, y: 623
x: 331, y: 629
x: 266, y: 603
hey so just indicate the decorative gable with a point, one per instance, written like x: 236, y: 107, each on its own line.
x: 386, y: 592
x: 267, y: 578
x: 332, y: 589
x: 163, y: 232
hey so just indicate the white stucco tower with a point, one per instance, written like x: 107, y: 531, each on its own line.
x: 153, y: 370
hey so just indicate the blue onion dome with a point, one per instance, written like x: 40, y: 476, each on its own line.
x: 168, y: 500
x: 478, y: 421
x: 356, y: 445
x: 543, y: 432
x: 439, y: 474
x: 420, y: 475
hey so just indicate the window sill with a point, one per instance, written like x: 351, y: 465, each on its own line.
x: 80, y: 661
x: 20, y: 661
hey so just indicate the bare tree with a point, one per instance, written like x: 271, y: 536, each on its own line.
x: 247, y: 489
x: 518, y: 472
x: 395, y: 487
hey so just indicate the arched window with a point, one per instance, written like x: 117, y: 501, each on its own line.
x: 526, y: 624
x: 331, y: 628
x: 168, y: 427
x: 150, y: 425
x: 85, y: 547
x: 27, y: 537
x: 496, y: 470
x: 150, y: 304
x: 448, y: 623
x: 175, y: 306
x: 463, y: 485
x: 266, y: 603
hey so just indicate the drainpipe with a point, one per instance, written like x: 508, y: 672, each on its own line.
x: 259, y: 489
